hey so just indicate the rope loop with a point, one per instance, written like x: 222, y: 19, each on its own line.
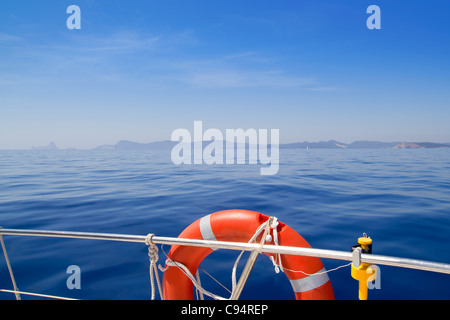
x: 152, y: 248
x: 153, y: 253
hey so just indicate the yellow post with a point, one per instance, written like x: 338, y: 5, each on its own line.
x: 363, y: 272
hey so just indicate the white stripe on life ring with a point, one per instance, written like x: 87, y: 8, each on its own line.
x: 311, y: 282
x: 205, y: 228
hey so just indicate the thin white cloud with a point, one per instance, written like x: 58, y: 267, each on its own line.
x: 245, y: 78
x: 120, y: 42
x: 240, y: 55
x: 100, y: 58
x: 80, y: 56
x: 325, y: 89
x: 248, y: 57
x: 8, y: 38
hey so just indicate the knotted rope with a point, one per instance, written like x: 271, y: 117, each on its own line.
x: 153, y: 270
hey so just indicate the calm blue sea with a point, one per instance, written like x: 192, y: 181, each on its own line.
x: 400, y: 198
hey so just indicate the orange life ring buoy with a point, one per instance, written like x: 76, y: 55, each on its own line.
x: 240, y: 226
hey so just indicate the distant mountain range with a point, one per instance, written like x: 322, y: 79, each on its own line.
x: 331, y: 144
x: 50, y: 146
x: 131, y: 145
x: 363, y: 144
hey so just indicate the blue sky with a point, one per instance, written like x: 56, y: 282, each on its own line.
x: 137, y: 70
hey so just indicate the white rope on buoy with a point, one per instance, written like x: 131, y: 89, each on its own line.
x: 265, y: 227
